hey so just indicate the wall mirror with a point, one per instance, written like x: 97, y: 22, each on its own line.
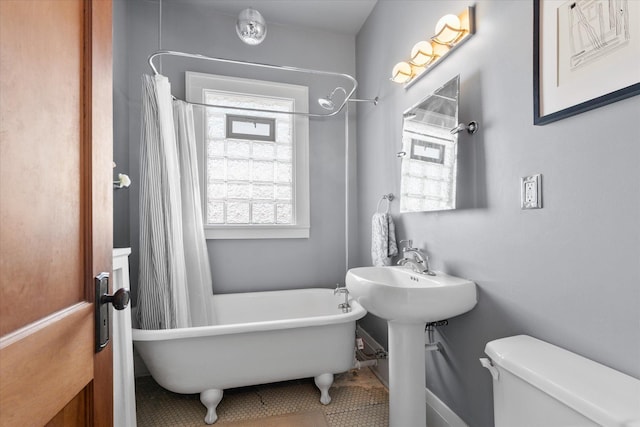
x: 429, y: 151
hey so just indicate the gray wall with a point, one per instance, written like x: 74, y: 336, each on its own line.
x: 121, y: 237
x: 193, y: 26
x: 568, y: 273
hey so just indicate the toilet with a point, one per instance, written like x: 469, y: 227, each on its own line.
x: 537, y: 384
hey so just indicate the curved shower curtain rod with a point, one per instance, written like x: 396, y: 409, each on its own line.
x: 260, y: 65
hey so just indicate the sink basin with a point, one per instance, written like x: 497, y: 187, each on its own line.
x: 408, y: 300
x: 400, y: 294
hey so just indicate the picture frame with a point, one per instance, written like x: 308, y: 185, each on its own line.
x: 573, y: 73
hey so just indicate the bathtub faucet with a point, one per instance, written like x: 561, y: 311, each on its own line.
x: 345, y: 307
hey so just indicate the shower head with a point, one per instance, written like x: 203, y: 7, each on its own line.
x: 326, y: 103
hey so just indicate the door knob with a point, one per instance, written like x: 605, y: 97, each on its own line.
x: 120, y: 299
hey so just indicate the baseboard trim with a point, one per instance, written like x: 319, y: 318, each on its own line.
x: 438, y: 413
x: 438, y: 410
x: 381, y: 370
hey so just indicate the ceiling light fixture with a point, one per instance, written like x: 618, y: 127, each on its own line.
x: 251, y: 27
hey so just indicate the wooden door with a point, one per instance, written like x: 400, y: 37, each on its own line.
x: 55, y: 210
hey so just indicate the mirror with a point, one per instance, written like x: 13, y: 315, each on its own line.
x: 429, y: 151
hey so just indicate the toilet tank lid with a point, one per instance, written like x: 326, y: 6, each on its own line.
x: 606, y: 396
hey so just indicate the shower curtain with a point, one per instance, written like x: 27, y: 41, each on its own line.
x: 175, y: 280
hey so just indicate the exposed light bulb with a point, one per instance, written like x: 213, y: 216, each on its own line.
x: 448, y: 29
x: 402, y: 72
x: 422, y: 53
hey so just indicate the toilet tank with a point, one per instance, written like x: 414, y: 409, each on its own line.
x: 538, y: 384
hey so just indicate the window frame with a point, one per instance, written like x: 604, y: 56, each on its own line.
x: 235, y: 118
x: 195, y: 86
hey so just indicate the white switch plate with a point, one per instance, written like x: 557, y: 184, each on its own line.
x: 531, y: 192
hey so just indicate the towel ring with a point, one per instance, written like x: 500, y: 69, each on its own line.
x: 389, y: 198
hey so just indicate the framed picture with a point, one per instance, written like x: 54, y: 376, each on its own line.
x: 586, y: 54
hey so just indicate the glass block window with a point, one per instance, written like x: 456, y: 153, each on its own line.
x: 243, y: 166
x: 255, y: 163
x: 428, y: 172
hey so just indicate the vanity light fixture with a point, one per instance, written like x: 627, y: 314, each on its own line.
x: 450, y: 32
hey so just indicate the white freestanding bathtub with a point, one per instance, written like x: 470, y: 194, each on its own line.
x: 258, y: 338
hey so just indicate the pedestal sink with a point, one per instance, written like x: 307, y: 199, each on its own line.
x: 408, y: 301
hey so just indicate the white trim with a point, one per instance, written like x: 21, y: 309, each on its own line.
x: 195, y: 85
x: 124, y: 393
x: 438, y: 413
x: 437, y: 410
x: 256, y: 232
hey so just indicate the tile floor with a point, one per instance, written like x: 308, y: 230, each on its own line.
x: 359, y: 399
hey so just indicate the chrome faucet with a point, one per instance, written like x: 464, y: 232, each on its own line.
x: 419, y: 261
x: 345, y: 307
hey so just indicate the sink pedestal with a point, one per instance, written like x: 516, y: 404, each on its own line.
x: 407, y: 406
x: 407, y: 301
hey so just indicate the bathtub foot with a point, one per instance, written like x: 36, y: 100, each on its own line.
x: 210, y: 399
x: 323, y: 382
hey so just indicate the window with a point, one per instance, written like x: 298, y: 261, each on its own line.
x: 245, y: 127
x: 254, y: 164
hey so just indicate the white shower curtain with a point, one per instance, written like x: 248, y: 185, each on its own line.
x: 169, y: 208
x: 195, y: 244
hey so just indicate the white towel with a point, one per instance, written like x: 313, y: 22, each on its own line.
x: 383, y: 239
